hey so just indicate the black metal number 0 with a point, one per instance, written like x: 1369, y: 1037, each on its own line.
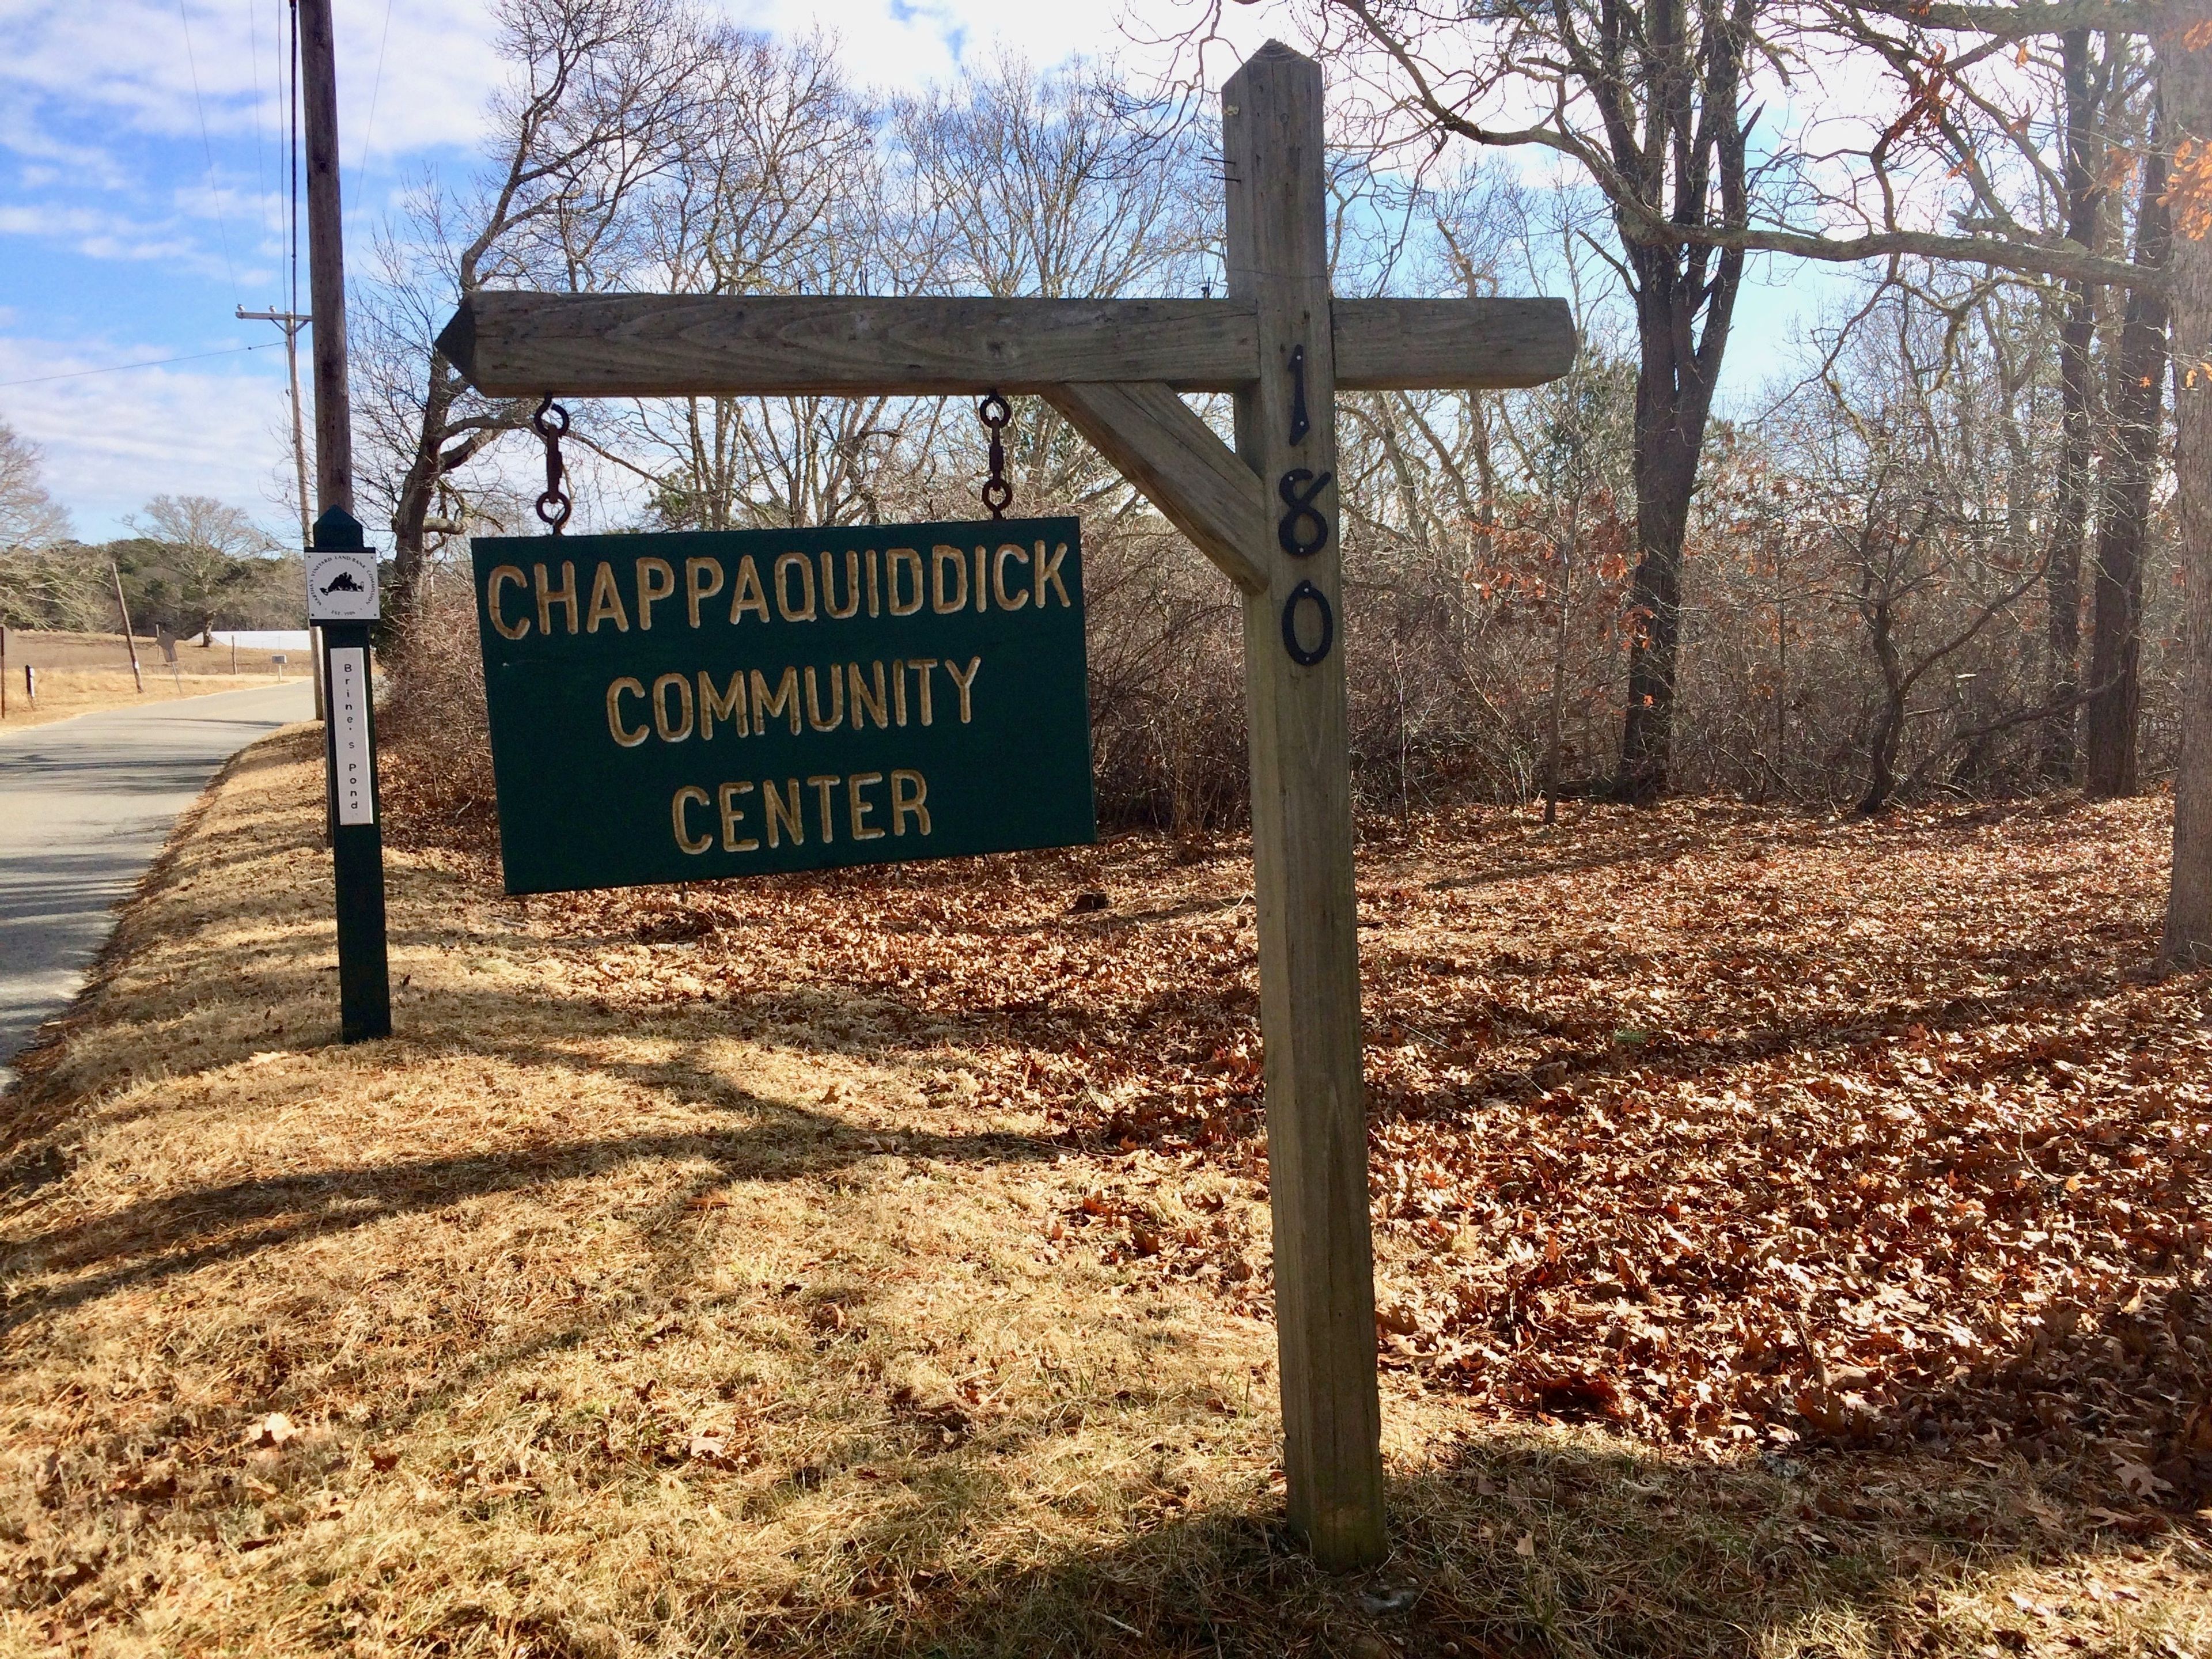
x: 1299, y: 654
x: 1298, y: 487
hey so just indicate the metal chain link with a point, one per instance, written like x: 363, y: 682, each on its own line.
x: 994, y: 412
x: 554, y: 507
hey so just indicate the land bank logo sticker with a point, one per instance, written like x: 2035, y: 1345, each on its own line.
x: 341, y: 588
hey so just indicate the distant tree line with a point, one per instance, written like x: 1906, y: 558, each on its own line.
x: 196, y: 564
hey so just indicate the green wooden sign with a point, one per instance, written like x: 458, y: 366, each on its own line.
x: 679, y: 708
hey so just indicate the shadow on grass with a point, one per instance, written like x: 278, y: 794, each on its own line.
x: 1503, y: 1546
x: 158, y: 1239
x: 1506, y: 1544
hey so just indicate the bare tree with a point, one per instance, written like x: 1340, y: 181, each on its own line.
x: 1651, y: 100
x: 2093, y: 85
x: 597, y: 105
x: 29, y: 517
x: 206, y: 546
x: 777, y: 185
x: 1900, y: 443
x: 2136, y: 405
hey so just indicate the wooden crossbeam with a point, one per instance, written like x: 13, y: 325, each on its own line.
x: 1191, y: 475
x: 651, y: 345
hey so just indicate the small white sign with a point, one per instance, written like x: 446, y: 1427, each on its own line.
x: 341, y: 588
x: 347, y: 708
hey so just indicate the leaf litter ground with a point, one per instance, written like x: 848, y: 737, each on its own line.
x: 1789, y: 1240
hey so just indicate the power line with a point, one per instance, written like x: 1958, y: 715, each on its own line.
x: 368, y: 132
x: 207, y: 147
x: 151, y: 362
x: 260, y: 154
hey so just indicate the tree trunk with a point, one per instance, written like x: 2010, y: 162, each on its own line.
x: 1882, y: 757
x: 1554, y: 736
x: 1889, y: 727
x: 1673, y: 393
x: 2137, y: 408
x: 2070, y: 507
x: 2186, y: 77
x: 411, y: 513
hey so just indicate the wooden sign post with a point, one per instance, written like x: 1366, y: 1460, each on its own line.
x: 1266, y: 513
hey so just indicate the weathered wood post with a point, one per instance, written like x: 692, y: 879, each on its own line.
x: 1302, y: 816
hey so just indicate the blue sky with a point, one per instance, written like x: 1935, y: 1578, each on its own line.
x: 143, y: 191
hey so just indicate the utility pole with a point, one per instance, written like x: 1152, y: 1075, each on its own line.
x: 292, y: 322
x: 129, y: 640
x: 341, y: 585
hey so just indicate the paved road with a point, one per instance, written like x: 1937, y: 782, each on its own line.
x: 85, y: 806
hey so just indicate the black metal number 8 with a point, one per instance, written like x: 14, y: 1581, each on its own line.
x: 1299, y: 543
x: 1299, y: 654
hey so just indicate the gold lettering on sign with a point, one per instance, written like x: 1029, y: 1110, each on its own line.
x: 963, y: 681
x: 784, y: 811
x: 942, y: 600
x: 1021, y: 595
x: 875, y: 607
x: 766, y: 708
x: 859, y: 808
x: 863, y: 698
x: 697, y: 587
x: 837, y: 701
x: 749, y: 595
x: 785, y: 564
x: 898, y: 690
x: 906, y: 559
x: 670, y: 730
x: 852, y: 586
x: 716, y: 705
x: 606, y: 602
x: 621, y: 733
x: 733, y: 815
x: 983, y: 582
x: 823, y: 783
x: 549, y: 596
x: 656, y: 580
x: 500, y: 577
x: 922, y: 666
x: 689, y: 795
x: 909, y: 791
x: 1047, y: 570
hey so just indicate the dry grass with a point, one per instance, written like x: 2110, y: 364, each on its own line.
x: 84, y: 673
x: 619, y: 1306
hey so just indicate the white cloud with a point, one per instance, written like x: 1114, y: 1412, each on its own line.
x: 162, y: 72
x: 103, y: 236
x: 113, y: 440
x: 101, y: 108
x: 904, y: 45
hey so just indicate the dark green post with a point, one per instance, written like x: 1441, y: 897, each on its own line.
x: 341, y: 603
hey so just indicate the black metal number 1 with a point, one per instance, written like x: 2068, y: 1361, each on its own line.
x: 1299, y: 425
